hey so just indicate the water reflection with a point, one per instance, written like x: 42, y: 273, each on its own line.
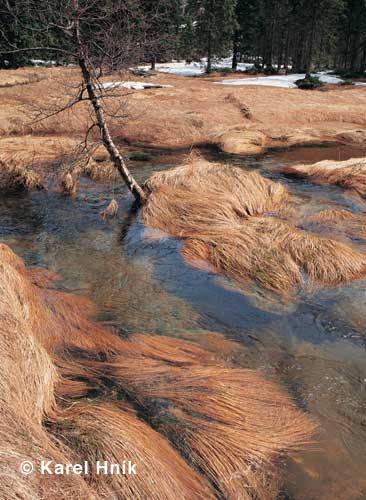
x: 314, y: 345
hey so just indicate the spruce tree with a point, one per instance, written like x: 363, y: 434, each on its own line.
x: 215, y: 26
x: 246, y: 33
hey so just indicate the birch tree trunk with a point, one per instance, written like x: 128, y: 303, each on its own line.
x: 107, y: 140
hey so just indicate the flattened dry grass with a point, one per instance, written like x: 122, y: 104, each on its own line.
x: 126, y: 437
x: 240, y: 223
x: 214, y: 416
x: 349, y: 174
x: 64, y: 388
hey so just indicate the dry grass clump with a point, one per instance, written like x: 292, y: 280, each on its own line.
x: 64, y: 383
x: 349, y: 174
x: 23, y: 160
x: 234, y: 220
x: 89, y: 164
x: 82, y: 163
x: 111, y: 210
x: 100, y: 171
x: 68, y: 184
x: 238, y: 192
x: 324, y: 260
x: 333, y: 215
x: 19, y: 179
x: 27, y: 393
x: 10, y: 78
x: 28, y: 162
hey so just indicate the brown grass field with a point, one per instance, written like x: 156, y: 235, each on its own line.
x: 244, y: 226
x: 195, y: 111
x: 72, y: 391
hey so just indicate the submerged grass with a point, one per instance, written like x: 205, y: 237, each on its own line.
x: 73, y: 391
x: 351, y: 225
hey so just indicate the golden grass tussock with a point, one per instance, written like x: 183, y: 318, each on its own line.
x: 20, y: 179
x: 242, y: 225
x: 342, y: 221
x: 27, y: 393
x: 239, y: 193
x: 348, y: 174
x: 64, y: 388
x: 100, y: 171
x: 68, y: 184
x: 111, y: 210
x: 324, y: 260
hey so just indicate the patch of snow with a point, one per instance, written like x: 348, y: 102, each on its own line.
x: 42, y: 62
x: 195, y: 68
x: 329, y: 78
x: 181, y: 68
x: 133, y: 85
x: 285, y: 81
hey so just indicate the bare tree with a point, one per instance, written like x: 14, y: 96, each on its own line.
x: 94, y: 35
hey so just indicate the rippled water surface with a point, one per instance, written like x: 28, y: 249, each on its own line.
x: 314, y: 345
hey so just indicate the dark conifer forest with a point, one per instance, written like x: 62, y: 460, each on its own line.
x: 293, y: 35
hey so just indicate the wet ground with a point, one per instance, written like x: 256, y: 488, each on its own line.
x: 315, y: 344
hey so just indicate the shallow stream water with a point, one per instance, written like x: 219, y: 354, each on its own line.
x: 315, y: 345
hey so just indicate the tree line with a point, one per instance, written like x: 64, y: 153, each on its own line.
x: 296, y: 35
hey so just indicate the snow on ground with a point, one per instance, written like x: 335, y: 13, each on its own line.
x: 195, y: 68
x: 133, y: 85
x: 42, y: 62
x: 286, y: 81
x: 198, y: 68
